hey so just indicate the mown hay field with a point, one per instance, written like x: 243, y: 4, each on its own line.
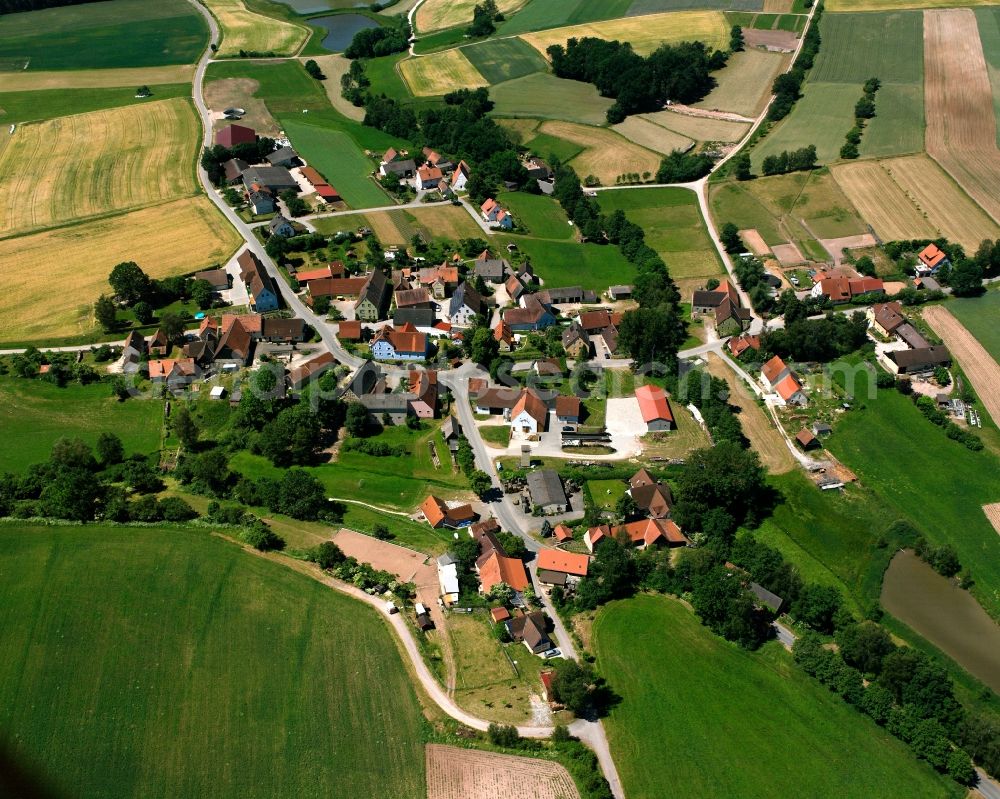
x: 545, y: 96
x: 505, y: 59
x: 269, y: 682
x: 979, y: 315
x: 89, y: 165
x: 961, y: 124
x: 650, y: 135
x: 436, y: 15
x: 912, y: 197
x: 645, y: 33
x: 440, y: 73
x: 698, y: 128
x: 398, y: 226
x: 606, y: 155
x: 454, y: 773
x: 243, y: 29
x: 54, y: 277
x: 744, y: 84
x: 32, y: 80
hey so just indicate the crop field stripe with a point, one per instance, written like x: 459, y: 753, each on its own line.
x: 505, y: 59
x: 652, y: 136
x: 176, y: 238
x: 440, y: 73
x: 243, y: 29
x: 545, y: 96
x: 897, y: 5
x: 436, y: 15
x: 882, y: 201
x: 961, y: 124
x: 744, y: 84
x: 698, y: 128
x: 94, y: 78
x: 93, y: 164
x: 606, y: 154
x: 988, y: 20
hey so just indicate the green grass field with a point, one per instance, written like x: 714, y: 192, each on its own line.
x: 505, y: 59
x: 34, y: 413
x: 979, y: 315
x: 988, y: 22
x: 398, y: 483
x: 36, y: 106
x: 542, y: 14
x: 542, y: 216
x: 963, y: 481
x: 544, y: 145
x: 673, y: 226
x: 545, y: 96
x: 709, y: 719
x: 168, y: 662
x: 558, y: 263
x: 117, y: 33
x: 606, y: 493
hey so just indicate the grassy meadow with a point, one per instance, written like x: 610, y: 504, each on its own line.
x: 34, y: 413
x: 567, y: 263
x: 979, y: 315
x: 35, y: 106
x: 541, y: 216
x: 545, y: 96
x: 168, y: 662
x: 505, y: 59
x: 116, y: 33
x: 684, y: 690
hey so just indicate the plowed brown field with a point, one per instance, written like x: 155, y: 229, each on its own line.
x: 454, y: 773
x: 961, y: 127
x: 975, y: 361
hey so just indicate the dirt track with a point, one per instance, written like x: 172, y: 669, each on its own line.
x: 976, y: 362
x: 961, y: 127
x: 454, y: 773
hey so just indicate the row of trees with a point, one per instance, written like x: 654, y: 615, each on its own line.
x: 680, y: 72
x: 864, y: 110
x: 14, y: 6
x: 801, y: 160
x: 787, y: 87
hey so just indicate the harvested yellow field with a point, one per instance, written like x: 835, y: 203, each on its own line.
x: 993, y: 514
x: 645, y: 33
x: 894, y: 5
x: 961, y: 126
x: 744, y: 84
x: 435, y: 15
x: 699, y: 128
x: 606, y: 155
x: 87, y: 165
x: 389, y: 228
x: 648, y: 134
x: 53, y: 277
x: 454, y: 773
x: 440, y: 73
x: 246, y: 30
x: 94, y: 78
x: 882, y: 202
x: 335, y: 67
x: 449, y: 221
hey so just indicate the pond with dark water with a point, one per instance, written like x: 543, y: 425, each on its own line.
x: 944, y: 614
x: 340, y: 29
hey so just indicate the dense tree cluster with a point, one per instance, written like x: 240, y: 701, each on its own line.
x: 393, y: 37
x: 14, y: 6
x: 679, y: 72
x: 801, y: 160
x: 787, y: 86
x: 751, y: 275
x: 710, y: 395
x: 484, y: 15
x: 822, y: 340
x: 681, y: 167
x: 212, y: 158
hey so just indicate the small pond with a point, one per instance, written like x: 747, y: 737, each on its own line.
x: 944, y: 614
x: 340, y: 29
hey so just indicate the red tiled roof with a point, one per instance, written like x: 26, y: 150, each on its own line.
x: 562, y: 533
x: 932, y: 255
x: 772, y: 369
x: 530, y: 403
x: 567, y: 406
x: 497, y: 568
x: 653, y: 403
x: 313, y: 274
x: 787, y: 387
x: 558, y: 560
x: 349, y: 331
x: 740, y: 344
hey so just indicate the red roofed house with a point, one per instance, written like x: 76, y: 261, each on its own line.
x: 427, y: 177
x: 558, y: 567
x: 349, y: 331
x: 314, y: 367
x: 504, y: 337
x: 643, y: 533
x: 655, y: 408
x: 843, y: 289
x: 740, y: 344
x: 930, y: 259
x: 772, y: 372
x: 175, y: 372
x: 568, y: 410
x: 495, y: 568
x: 403, y: 344
x: 232, y: 135
x: 886, y: 318
x: 562, y: 533
x: 777, y: 377
x: 529, y: 413
x: 314, y: 274
x: 460, y: 176
x: 438, y: 514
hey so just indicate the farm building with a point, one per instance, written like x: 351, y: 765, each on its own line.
x: 724, y: 303
x: 533, y: 316
x: 231, y: 135
x: 557, y: 567
x: 274, y: 178
x: 448, y: 578
x: 546, y: 492
x: 917, y: 361
x: 438, y: 514
x: 313, y: 368
x: 373, y: 301
x: 844, y: 289
x: 283, y: 156
x: 643, y: 533
x: 655, y: 408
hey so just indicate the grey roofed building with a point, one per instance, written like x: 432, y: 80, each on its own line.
x: 418, y: 317
x: 218, y: 279
x: 821, y: 429
x: 930, y: 284
x: 492, y: 270
x: 919, y: 360
x: 374, y: 299
x: 281, y: 157
x: 465, y: 297
x: 276, y: 178
x: 565, y: 295
x: 365, y: 380
x: 233, y: 169
x: 546, y: 490
x: 403, y: 169
x: 619, y: 292
x: 530, y: 629
x: 451, y: 429
x: 911, y: 336
x: 279, y: 226
x: 771, y: 601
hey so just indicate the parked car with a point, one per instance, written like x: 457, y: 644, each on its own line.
x: 391, y: 608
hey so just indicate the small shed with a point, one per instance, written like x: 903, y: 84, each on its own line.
x: 217, y: 392
x: 821, y: 429
x: 806, y: 439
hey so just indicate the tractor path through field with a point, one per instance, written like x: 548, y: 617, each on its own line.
x: 691, y: 111
x: 976, y: 362
x: 370, y: 507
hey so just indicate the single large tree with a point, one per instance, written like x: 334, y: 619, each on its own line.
x: 105, y: 313
x: 130, y: 283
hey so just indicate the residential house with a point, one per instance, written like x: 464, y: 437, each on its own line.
x: 438, y: 514
x: 235, y: 343
x: 274, y: 178
x: 724, y: 304
x: 390, y: 344
x: 492, y: 270
x: 576, y: 342
x: 261, y: 289
x: 305, y: 372
x: 285, y: 331
x: 439, y: 280
x: 917, y: 361
x: 533, y: 316
x: 261, y: 199
x: 494, y: 566
x: 175, y: 372
x: 737, y: 345
x: 650, y: 496
x: 594, y: 321
x: 231, y: 135
x: 447, y: 569
x: 427, y: 177
x: 413, y: 298
x: 373, y: 301
x: 655, y: 408
x: 562, y: 533
x: 134, y: 352
x: 773, y: 372
x: 504, y: 336
x: 465, y: 305
x: 218, y: 279
x: 765, y: 598
x: 349, y: 331
x: 844, y: 289
x: 504, y: 220
x: 460, y: 177
x: 568, y: 411
x: 424, y: 391
x: 529, y: 413
x: 930, y: 260
x: 776, y: 377
x: 642, y: 534
x: 158, y: 344
x: 558, y: 567
x: 885, y: 317
x: 279, y: 226
x: 531, y: 630
x: 233, y: 170
x: 546, y: 492
x: 515, y: 287
x: 283, y: 156
x: 537, y: 168
x: 490, y: 210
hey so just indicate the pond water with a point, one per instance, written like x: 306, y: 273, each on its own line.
x: 340, y: 29
x: 944, y: 614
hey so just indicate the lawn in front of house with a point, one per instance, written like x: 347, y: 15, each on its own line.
x: 606, y: 493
